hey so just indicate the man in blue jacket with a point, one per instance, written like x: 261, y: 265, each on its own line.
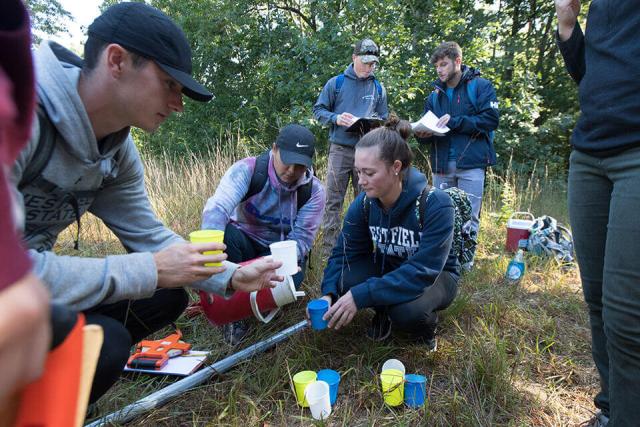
x: 467, y: 105
x: 344, y: 98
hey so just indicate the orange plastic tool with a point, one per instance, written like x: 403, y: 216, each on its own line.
x: 155, y: 354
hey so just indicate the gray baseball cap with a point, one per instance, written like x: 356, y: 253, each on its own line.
x: 367, y: 50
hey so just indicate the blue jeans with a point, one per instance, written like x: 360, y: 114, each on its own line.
x: 604, y: 201
x: 471, y: 181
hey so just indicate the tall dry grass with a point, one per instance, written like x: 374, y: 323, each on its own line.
x: 509, y: 355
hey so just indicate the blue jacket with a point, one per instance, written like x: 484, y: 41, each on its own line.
x: 357, y: 96
x: 470, y: 127
x: 412, y: 258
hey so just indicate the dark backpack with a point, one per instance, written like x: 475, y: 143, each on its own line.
x: 340, y: 82
x: 32, y: 173
x: 261, y: 175
x: 464, y: 242
x: 472, y: 94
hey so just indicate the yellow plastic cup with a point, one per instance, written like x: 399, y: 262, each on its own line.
x: 392, y: 383
x: 300, y: 382
x: 208, y: 236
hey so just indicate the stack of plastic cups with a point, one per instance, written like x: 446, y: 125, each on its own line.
x: 415, y: 390
x: 392, y: 382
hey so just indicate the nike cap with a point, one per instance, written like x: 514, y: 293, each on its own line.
x: 148, y: 32
x: 297, y: 145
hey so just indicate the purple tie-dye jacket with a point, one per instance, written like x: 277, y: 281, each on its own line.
x: 270, y: 215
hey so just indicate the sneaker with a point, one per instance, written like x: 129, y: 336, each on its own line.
x: 380, y: 328
x: 467, y: 266
x: 598, y: 420
x: 233, y: 333
x: 431, y: 344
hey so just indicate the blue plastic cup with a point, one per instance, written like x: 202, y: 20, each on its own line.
x: 317, y: 308
x: 415, y: 390
x: 332, y: 378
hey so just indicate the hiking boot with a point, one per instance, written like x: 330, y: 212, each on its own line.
x: 233, y: 333
x: 598, y: 420
x: 431, y: 344
x: 380, y: 328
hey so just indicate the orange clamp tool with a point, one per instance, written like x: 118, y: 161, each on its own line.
x: 155, y: 354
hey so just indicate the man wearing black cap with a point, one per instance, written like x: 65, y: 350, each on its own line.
x: 81, y: 158
x: 266, y: 199
x: 354, y: 94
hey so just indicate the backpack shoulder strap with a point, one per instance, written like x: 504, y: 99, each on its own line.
x: 339, y: 82
x: 304, y: 193
x: 472, y: 92
x: 44, y: 149
x: 366, y: 207
x: 378, y: 86
x: 434, y: 100
x: 260, y: 175
x: 421, y: 204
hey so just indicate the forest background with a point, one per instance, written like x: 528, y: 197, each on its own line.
x: 266, y: 62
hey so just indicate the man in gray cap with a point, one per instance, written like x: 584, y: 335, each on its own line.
x: 81, y: 158
x: 266, y: 199
x: 354, y: 94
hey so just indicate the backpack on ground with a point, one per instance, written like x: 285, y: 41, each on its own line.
x: 472, y: 94
x: 552, y: 239
x: 261, y: 175
x: 464, y: 241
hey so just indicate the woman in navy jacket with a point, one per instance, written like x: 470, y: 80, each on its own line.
x: 384, y: 258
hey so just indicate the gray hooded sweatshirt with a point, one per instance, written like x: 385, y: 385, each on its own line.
x: 357, y: 96
x: 106, y: 179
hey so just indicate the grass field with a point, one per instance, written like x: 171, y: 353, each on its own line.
x: 508, y: 355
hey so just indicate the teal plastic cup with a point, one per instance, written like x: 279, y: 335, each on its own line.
x: 332, y: 378
x: 317, y: 308
x: 415, y: 390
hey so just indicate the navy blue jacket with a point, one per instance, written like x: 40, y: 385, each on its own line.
x: 412, y: 257
x: 605, y: 63
x: 469, y: 126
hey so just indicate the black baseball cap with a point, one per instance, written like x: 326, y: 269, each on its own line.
x: 296, y: 144
x: 152, y: 34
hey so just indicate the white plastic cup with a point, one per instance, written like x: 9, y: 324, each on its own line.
x: 286, y: 252
x: 317, y: 395
x: 393, y: 364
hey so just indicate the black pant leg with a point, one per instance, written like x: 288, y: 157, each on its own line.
x: 113, y: 354
x: 239, y: 246
x: 127, y: 322
x: 418, y: 317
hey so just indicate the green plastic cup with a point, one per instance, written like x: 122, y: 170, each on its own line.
x: 300, y: 382
x: 208, y: 236
x: 392, y: 383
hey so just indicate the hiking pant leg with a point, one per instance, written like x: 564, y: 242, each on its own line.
x: 419, y: 316
x: 240, y: 247
x: 339, y: 171
x: 126, y: 323
x: 447, y: 179
x: 471, y: 181
x: 603, y: 206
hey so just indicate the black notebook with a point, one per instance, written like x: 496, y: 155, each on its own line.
x: 364, y: 125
